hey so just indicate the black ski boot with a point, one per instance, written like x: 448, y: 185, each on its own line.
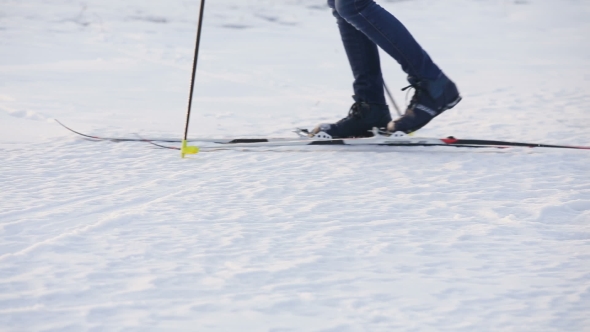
x: 431, y: 98
x: 362, y: 117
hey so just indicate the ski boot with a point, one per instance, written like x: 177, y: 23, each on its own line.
x: 431, y: 98
x: 362, y: 117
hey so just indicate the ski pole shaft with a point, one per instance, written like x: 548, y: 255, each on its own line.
x: 392, y: 100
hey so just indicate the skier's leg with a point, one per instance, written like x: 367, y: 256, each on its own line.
x: 369, y: 109
x: 363, y: 57
x: 435, y: 93
x: 390, y: 34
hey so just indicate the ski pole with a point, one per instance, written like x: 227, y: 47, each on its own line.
x: 185, y: 149
x: 392, y: 100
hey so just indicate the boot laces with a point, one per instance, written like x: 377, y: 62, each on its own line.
x: 356, y: 110
x: 418, y: 92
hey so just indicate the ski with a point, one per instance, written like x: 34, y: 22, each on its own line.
x: 176, y: 140
x: 378, y: 139
x: 404, y: 141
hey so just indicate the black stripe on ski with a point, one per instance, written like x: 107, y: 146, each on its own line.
x: 479, y: 142
x: 248, y: 140
x: 328, y: 142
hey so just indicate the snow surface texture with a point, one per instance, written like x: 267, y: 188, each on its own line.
x: 107, y: 237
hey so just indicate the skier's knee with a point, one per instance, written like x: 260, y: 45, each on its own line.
x: 349, y: 8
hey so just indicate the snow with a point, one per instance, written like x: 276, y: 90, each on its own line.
x: 123, y: 236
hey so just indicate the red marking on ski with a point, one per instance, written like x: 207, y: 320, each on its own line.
x: 449, y: 140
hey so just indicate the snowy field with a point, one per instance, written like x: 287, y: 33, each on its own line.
x: 100, y: 236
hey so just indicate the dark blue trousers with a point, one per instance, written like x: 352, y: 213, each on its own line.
x: 363, y: 26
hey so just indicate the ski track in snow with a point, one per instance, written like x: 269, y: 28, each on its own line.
x: 121, y: 236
